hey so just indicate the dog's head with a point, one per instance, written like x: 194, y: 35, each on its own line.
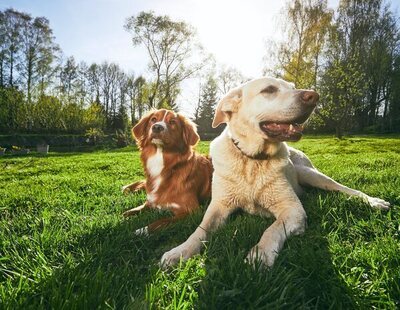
x: 166, y: 129
x: 267, y: 107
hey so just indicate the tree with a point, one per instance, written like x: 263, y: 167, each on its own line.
x: 393, y: 123
x: 47, y: 114
x: 72, y: 117
x: 94, y: 116
x: 38, y: 53
x: 121, y: 121
x: 137, y: 91
x: 12, y: 109
x: 69, y: 73
x: 170, y: 45
x: 11, y: 22
x: 306, y: 24
x: 342, y: 88
x: 320, y: 49
x: 228, y: 78
x: 206, y: 109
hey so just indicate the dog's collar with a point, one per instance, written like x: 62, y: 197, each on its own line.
x: 259, y: 156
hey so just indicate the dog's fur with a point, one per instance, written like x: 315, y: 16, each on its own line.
x: 177, y: 178
x: 256, y: 171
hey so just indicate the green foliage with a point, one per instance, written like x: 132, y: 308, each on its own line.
x: 348, y: 56
x: 206, y: 109
x: 73, y: 117
x: 169, y: 44
x: 94, y: 135
x: 65, y: 244
x: 13, y: 113
x: 37, y: 94
x: 306, y: 26
x: 122, y: 138
x: 94, y: 116
x: 47, y: 114
x: 121, y: 121
x: 342, y: 87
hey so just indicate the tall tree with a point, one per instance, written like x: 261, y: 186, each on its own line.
x: 69, y: 73
x: 38, y: 52
x: 228, y: 78
x: 306, y: 24
x: 208, y: 101
x: 11, y: 22
x: 138, y: 97
x: 369, y: 35
x: 342, y: 87
x: 393, y: 115
x: 170, y: 45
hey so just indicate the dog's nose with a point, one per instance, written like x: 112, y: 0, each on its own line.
x: 157, y: 128
x: 309, y: 97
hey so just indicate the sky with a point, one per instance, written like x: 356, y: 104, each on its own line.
x: 234, y: 31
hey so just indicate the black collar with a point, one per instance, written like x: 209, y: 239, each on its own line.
x: 259, y: 156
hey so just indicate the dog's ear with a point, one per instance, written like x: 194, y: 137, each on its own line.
x: 190, y: 135
x: 226, y: 106
x: 139, y: 130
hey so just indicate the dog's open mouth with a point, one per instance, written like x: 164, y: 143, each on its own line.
x: 282, y: 131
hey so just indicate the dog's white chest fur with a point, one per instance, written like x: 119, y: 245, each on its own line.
x: 155, y: 165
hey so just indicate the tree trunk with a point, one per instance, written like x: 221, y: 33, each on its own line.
x: 1, y: 71
x: 339, y: 131
x: 29, y: 79
x: 372, y: 108
x: 384, y: 118
x: 11, y: 80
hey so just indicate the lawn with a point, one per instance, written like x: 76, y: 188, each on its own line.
x: 65, y: 245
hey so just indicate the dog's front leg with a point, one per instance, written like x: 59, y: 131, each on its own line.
x: 216, y: 214
x: 134, y: 187
x: 290, y: 219
x: 136, y: 210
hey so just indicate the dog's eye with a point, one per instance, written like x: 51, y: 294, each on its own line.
x: 269, y: 90
x: 153, y: 119
x: 172, y: 122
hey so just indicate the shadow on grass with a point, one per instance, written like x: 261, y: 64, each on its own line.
x: 303, y: 276
x: 110, y: 267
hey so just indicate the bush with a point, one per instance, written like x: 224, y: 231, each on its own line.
x: 94, y: 135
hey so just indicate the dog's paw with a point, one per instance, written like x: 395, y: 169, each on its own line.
x: 173, y: 257
x: 170, y: 258
x: 125, y: 190
x: 378, y: 203
x: 144, y: 231
x: 257, y: 256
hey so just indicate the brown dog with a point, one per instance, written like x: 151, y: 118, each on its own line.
x: 177, y: 178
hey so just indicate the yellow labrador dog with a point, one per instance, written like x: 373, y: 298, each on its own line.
x: 256, y: 171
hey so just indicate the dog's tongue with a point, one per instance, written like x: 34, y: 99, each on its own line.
x: 282, y: 127
x: 283, y: 132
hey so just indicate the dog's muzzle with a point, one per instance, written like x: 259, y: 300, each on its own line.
x: 292, y: 129
x: 158, y: 127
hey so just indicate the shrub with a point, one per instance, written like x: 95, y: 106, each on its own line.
x: 94, y: 135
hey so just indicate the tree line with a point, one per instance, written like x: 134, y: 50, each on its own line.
x: 349, y: 55
x: 41, y: 90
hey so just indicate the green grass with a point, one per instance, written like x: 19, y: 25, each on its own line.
x: 65, y: 245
